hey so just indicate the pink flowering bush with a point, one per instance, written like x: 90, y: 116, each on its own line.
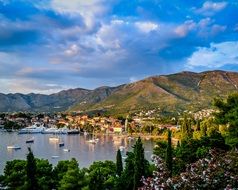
x: 217, y: 171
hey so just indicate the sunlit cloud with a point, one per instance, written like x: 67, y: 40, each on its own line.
x: 98, y: 42
x: 210, y: 8
x: 215, y: 56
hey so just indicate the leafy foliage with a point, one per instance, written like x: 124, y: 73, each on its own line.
x: 228, y: 115
x: 219, y: 170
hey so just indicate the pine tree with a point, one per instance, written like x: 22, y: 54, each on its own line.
x: 31, y: 171
x: 169, y: 156
x: 73, y: 178
x: 140, y: 166
x: 119, y: 165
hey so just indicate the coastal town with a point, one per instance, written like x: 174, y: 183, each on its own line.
x: 148, y: 122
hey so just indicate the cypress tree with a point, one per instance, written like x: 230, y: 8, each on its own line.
x: 178, y: 144
x: 31, y: 171
x: 119, y: 166
x: 139, y: 160
x: 186, y: 128
x: 169, y: 156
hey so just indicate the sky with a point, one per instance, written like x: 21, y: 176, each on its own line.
x: 50, y: 45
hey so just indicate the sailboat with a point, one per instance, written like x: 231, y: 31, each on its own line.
x: 93, y: 140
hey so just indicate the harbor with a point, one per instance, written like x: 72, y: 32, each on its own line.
x: 79, y: 146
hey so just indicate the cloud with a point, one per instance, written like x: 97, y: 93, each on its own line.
x: 72, y: 50
x: 90, y: 10
x: 98, y: 42
x: 215, y: 56
x: 204, y: 28
x: 210, y: 8
x: 184, y: 29
x: 147, y: 27
x: 27, y: 86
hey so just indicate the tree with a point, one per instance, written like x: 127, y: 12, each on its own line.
x: 125, y: 181
x: 59, y: 171
x: 44, y: 174
x: 119, y: 165
x: 73, y: 178
x: 228, y: 115
x: 186, y: 128
x: 31, y: 171
x: 160, y: 148
x: 102, y: 175
x: 15, y: 174
x: 140, y: 163
x: 169, y: 154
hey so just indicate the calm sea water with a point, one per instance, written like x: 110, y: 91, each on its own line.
x: 80, y: 149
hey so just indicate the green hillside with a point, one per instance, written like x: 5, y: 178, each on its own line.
x: 176, y: 92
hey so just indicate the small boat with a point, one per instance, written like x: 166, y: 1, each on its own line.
x: 93, y: 141
x: 85, y: 133
x: 54, y: 157
x: 30, y: 140
x: 61, y: 144
x: 66, y: 150
x: 73, y: 131
x: 54, y: 138
x: 15, y: 147
x: 121, y: 148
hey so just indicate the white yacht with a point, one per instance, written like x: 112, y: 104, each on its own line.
x: 35, y: 128
x: 52, y: 130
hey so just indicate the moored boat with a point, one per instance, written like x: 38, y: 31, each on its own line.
x: 52, y: 130
x: 66, y: 150
x: 30, y: 140
x: 54, y: 138
x: 72, y: 131
x: 92, y: 141
x: 61, y: 144
x: 54, y: 157
x: 14, y: 147
x: 35, y: 128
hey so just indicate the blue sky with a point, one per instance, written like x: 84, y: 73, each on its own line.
x: 50, y: 45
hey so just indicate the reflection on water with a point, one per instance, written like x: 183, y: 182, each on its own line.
x: 86, y: 153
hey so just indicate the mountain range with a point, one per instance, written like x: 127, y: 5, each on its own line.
x: 175, y: 92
